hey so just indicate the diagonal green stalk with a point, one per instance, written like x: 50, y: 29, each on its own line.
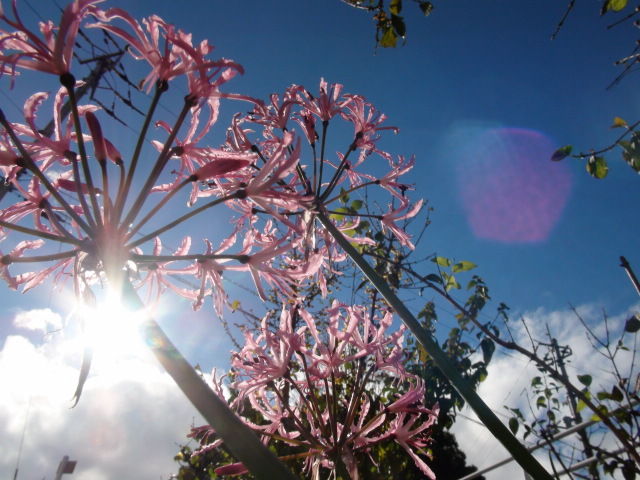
x: 243, y: 443
x: 486, y: 416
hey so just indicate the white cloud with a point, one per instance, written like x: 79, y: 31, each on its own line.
x: 131, y: 415
x: 127, y: 424
x: 510, y: 376
x: 38, y: 319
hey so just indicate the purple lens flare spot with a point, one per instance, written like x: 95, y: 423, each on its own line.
x: 511, y: 191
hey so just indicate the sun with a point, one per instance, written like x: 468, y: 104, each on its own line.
x: 112, y: 331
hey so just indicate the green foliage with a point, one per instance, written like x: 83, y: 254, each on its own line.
x: 631, y: 151
x: 390, y: 26
x: 615, y: 5
x: 562, y: 153
x: 447, y: 279
x: 597, y: 167
x: 559, y: 403
x: 633, y: 324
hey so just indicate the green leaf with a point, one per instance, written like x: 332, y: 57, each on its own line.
x: 585, y: 380
x: 488, y: 347
x: 389, y: 38
x: 432, y: 277
x: 463, y: 266
x: 561, y: 153
x: 398, y: 25
x: 616, y: 394
x: 443, y: 262
x: 615, y: 5
x: 536, y: 381
x: 395, y: 7
x: 344, y: 196
x: 337, y: 213
x: 451, y: 283
x: 513, y: 425
x: 580, y: 406
x: 632, y: 160
x: 356, y: 205
x: 633, y: 324
x: 426, y: 7
x: 541, y: 402
x: 601, y: 409
x: 597, y: 167
x: 235, y: 305
x: 618, y: 122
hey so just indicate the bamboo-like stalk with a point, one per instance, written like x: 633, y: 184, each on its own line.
x: 486, y: 416
x: 242, y: 442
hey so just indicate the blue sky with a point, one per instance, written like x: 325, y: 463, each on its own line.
x: 482, y: 97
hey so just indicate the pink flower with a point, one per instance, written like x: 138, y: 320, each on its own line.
x: 328, y: 104
x: 51, y: 55
x: 312, y: 389
x: 177, y: 56
x: 403, y: 212
x: 401, y: 430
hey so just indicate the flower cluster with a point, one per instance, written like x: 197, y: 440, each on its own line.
x: 326, y: 392
x: 107, y: 214
x: 274, y: 171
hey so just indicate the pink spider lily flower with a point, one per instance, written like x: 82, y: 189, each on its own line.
x: 404, y: 211
x: 154, y: 274
x: 367, y: 123
x: 260, y: 265
x: 44, y: 150
x: 286, y: 377
x: 52, y: 54
x: 276, y: 115
x: 266, y: 358
x: 401, y: 430
x: 328, y: 104
x: 177, y: 57
x: 411, y: 400
x: 15, y: 281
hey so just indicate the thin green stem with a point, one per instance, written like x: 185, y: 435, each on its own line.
x: 312, y: 394
x: 490, y: 420
x: 301, y: 428
x: 83, y: 155
x: 357, y: 187
x: 161, y: 87
x: 243, y: 443
x: 325, y: 125
x: 106, y: 202
x: 40, y: 258
x: 53, y: 218
x: 161, y: 162
x: 183, y: 218
x: 341, y: 168
x: 159, y: 205
x: 73, y: 158
x: 196, y: 256
x: 356, y: 394
x: 37, y: 233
